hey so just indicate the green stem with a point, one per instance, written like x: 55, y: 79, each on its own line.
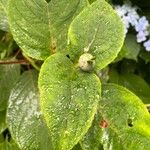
x: 31, y: 62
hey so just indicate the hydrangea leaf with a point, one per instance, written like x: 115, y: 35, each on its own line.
x: 23, y: 115
x: 145, y: 55
x: 3, y: 125
x: 92, y: 139
x: 69, y: 99
x: 40, y: 28
x: 3, y: 15
x: 128, y: 121
x: 130, y: 49
x: 77, y: 147
x: 97, y: 30
x: 134, y: 83
x: 9, y: 146
x: 9, y: 74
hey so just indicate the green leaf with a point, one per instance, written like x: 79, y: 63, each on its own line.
x: 145, y: 55
x: 92, y: 139
x: 130, y: 49
x: 3, y: 15
x: 134, y: 83
x: 3, y: 125
x: 9, y: 146
x: 96, y: 30
x: 40, y: 28
x: 24, y: 117
x: 9, y: 74
x: 127, y: 118
x: 77, y: 147
x: 69, y: 99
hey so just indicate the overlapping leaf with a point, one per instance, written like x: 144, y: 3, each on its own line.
x: 92, y: 139
x: 134, y: 83
x: 96, y: 30
x: 69, y: 99
x: 3, y: 125
x: 40, y: 28
x: 23, y: 116
x: 127, y: 118
x: 3, y: 15
x: 9, y: 74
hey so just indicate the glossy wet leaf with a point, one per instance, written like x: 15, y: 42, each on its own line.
x: 9, y: 74
x: 127, y: 117
x: 40, y: 28
x: 69, y: 99
x: 3, y: 125
x: 134, y: 83
x: 96, y: 30
x: 3, y: 15
x: 24, y: 117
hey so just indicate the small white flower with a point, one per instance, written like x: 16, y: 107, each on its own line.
x: 141, y: 36
x: 142, y: 25
x: 120, y: 11
x: 133, y: 19
x: 147, y: 45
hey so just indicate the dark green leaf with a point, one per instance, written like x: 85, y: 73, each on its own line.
x: 40, y: 28
x: 127, y: 118
x: 9, y: 74
x: 134, y: 83
x: 96, y: 30
x: 145, y: 55
x: 24, y: 117
x: 130, y: 49
x: 69, y: 99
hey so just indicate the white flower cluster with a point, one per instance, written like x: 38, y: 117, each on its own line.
x: 131, y: 18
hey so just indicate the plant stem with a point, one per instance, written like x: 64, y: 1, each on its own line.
x: 22, y: 62
x: 31, y: 62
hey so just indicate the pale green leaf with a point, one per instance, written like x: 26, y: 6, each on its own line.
x: 127, y: 118
x: 69, y: 99
x: 24, y: 117
x: 9, y: 74
x: 3, y: 15
x: 40, y: 28
x: 96, y: 30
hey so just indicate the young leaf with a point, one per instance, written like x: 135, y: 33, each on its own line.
x: 40, y: 28
x: 3, y: 15
x: 23, y: 115
x: 96, y: 30
x: 69, y: 99
x: 9, y: 74
x: 3, y: 125
x: 128, y: 121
